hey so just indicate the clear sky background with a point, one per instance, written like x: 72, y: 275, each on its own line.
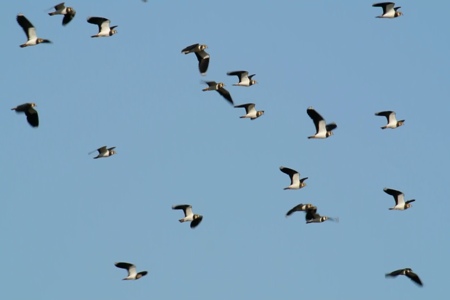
x: 66, y: 218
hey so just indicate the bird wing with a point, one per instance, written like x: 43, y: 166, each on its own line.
x: 318, y: 120
x: 249, y: 107
x: 127, y: 266
x: 203, y: 61
x: 187, y: 209
x: 68, y: 17
x: 414, y: 277
x: 398, y: 196
x: 27, y: 27
x: 387, y: 6
x: 112, y: 148
x: 226, y: 94
x: 395, y: 273
x: 241, y: 74
x: 59, y: 6
x: 101, y: 150
x: 188, y: 49
x: 32, y: 117
x: 295, y: 208
x: 386, y: 114
x: 311, y: 214
x: 294, y: 175
x: 102, y: 23
x: 196, y: 222
x: 331, y: 126
x: 211, y: 83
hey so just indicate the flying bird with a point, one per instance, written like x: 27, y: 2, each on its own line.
x: 104, y: 30
x: 313, y: 217
x: 219, y: 87
x: 408, y: 273
x: 250, y: 111
x: 244, y: 79
x: 389, y: 11
x: 323, y: 130
x: 30, y: 112
x: 30, y: 31
x: 391, y: 119
x: 300, y: 207
x: 399, y: 197
x: 189, y: 216
x: 296, y: 182
x: 104, y: 152
x: 132, y: 275
x: 68, y: 12
x: 201, y: 54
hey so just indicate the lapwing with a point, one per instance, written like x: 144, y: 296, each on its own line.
x: 68, y: 12
x: 219, y: 87
x: 189, y: 216
x: 104, y: 152
x: 391, y: 119
x: 132, y: 275
x: 104, y: 30
x: 244, y: 78
x: 389, y: 11
x: 323, y: 130
x: 250, y: 111
x: 202, y: 56
x: 300, y: 207
x: 399, y: 197
x: 296, y: 182
x: 313, y: 217
x: 408, y: 273
x: 30, y: 112
x: 30, y: 31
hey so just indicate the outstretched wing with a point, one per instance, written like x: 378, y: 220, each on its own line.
x: 187, y: 209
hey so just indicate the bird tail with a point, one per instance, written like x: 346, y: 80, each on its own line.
x: 384, y: 127
x: 181, y: 220
x: 51, y: 13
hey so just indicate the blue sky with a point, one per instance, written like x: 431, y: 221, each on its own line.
x: 66, y: 218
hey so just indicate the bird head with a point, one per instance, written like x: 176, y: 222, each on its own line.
x: 408, y: 205
x: 196, y: 216
x: 113, y: 152
x: 203, y: 47
x: 400, y: 123
x: 252, y: 82
x: 398, y: 14
x: 112, y: 32
x: 329, y: 133
x: 220, y: 85
x: 259, y: 113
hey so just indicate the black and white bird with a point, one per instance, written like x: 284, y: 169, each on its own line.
x: 408, y: 273
x: 68, y: 12
x: 30, y: 31
x: 244, y: 78
x: 201, y: 54
x: 132, y: 275
x: 189, y: 216
x: 104, y: 30
x: 313, y: 217
x: 323, y: 130
x: 296, y: 182
x: 300, y: 207
x: 391, y: 119
x: 104, y: 152
x: 389, y: 11
x: 250, y: 111
x: 30, y: 112
x: 219, y: 87
x: 399, y: 197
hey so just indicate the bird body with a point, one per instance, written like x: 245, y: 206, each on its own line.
x: 406, y: 272
x: 104, y: 152
x: 189, y: 216
x: 30, y: 112
x: 30, y: 32
x: 323, y: 130
x: 250, y: 111
x: 132, y: 274
x: 313, y: 217
x: 104, y: 30
x: 389, y: 11
x: 219, y: 87
x: 391, y: 119
x: 201, y: 54
x: 68, y: 12
x: 399, y: 198
x: 244, y: 78
x: 296, y: 182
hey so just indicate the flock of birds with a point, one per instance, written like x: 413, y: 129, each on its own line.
x: 323, y: 130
